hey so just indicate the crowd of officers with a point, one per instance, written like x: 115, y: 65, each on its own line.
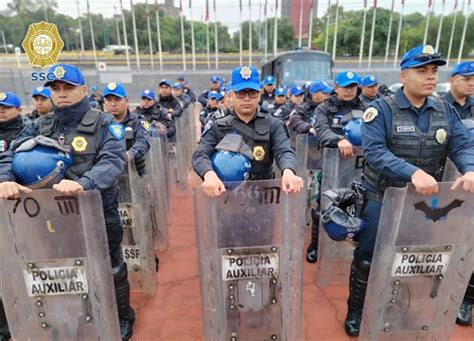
x: 63, y: 108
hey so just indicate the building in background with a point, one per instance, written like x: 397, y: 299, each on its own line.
x: 291, y: 9
x: 169, y: 8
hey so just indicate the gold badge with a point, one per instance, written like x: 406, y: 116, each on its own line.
x: 59, y: 72
x: 246, y: 72
x: 79, y: 143
x: 372, y: 78
x: 3, y: 96
x: 112, y: 86
x: 39, y: 88
x: 350, y: 75
x: 441, y: 136
x: 369, y: 115
x: 258, y: 153
x: 428, y: 49
x: 146, y: 125
x: 42, y: 44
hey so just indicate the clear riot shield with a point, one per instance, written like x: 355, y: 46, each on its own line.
x: 192, y: 126
x: 421, y: 266
x: 250, y: 257
x: 451, y: 172
x: 334, y: 258
x: 137, y: 245
x: 183, y: 147
x: 55, y: 274
x: 156, y: 165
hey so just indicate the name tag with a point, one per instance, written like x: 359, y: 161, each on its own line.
x: 405, y: 129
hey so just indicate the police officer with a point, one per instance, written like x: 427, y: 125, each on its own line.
x: 461, y: 94
x: 177, y: 92
x: 370, y: 89
x: 266, y: 136
x: 268, y: 94
x: 97, y: 97
x: 155, y: 114
x: 167, y: 101
x: 296, y: 98
x: 216, y: 84
x: 302, y: 117
x: 98, y: 152
x: 138, y: 141
x: 42, y: 102
x: 186, y: 89
x: 213, y: 110
x: 406, y: 137
x: 337, y: 109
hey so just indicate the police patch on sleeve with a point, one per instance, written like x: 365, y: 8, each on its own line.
x: 146, y: 125
x: 370, y: 114
x: 117, y: 131
x: 207, y: 127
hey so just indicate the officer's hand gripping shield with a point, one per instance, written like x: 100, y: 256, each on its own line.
x: 55, y: 274
x: 421, y: 265
x: 137, y: 245
x: 249, y: 244
x: 334, y: 258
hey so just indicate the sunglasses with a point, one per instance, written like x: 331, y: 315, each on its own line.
x: 424, y: 57
x: 251, y: 93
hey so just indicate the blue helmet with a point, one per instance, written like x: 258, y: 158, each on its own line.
x: 40, y: 162
x: 231, y: 166
x: 94, y: 104
x: 339, y: 215
x: 353, y: 131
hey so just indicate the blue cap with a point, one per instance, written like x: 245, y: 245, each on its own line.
x: 320, y: 86
x: 346, y: 78
x: 369, y: 80
x: 94, y: 88
x: 463, y: 69
x: 166, y: 81
x: 215, y: 95
x: 421, y: 55
x: 66, y: 73
x: 181, y: 78
x: 41, y: 91
x: 245, y: 77
x: 116, y: 89
x: 216, y: 79
x: 280, y: 92
x: 148, y: 93
x: 9, y: 99
x: 178, y: 85
x: 297, y: 90
x: 269, y: 80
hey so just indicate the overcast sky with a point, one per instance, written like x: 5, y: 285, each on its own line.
x: 228, y: 10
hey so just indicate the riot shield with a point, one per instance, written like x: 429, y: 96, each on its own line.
x: 421, y: 265
x: 301, y: 151
x: 156, y: 169
x: 451, y: 172
x: 249, y: 245
x: 55, y: 273
x: 137, y: 245
x: 334, y: 258
x: 183, y: 147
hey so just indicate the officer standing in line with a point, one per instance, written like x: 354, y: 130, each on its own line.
x: 302, y: 116
x: 266, y: 136
x: 138, y: 143
x: 370, y: 89
x: 296, y: 98
x: 336, y: 110
x: 216, y: 84
x: 406, y: 138
x: 461, y: 94
x: 98, y: 152
x: 155, y: 114
x: 186, y: 89
x: 213, y: 110
x: 42, y: 101
x: 268, y: 90
x: 167, y: 101
x: 97, y: 96
x: 177, y: 92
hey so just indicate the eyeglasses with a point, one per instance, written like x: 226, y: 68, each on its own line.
x: 251, y: 93
x: 424, y: 57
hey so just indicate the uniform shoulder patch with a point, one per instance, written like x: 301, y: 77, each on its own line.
x: 146, y: 125
x: 207, y: 127
x: 117, y: 131
x: 370, y: 114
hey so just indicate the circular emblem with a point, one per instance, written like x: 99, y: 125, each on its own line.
x: 59, y: 72
x: 350, y: 75
x: 258, y: 153
x: 112, y: 86
x: 3, y: 96
x: 147, y: 92
x: 369, y: 114
x: 42, y: 44
x: 441, y: 136
x: 246, y: 72
x: 372, y: 78
x: 39, y: 88
x: 428, y: 49
x: 79, y: 143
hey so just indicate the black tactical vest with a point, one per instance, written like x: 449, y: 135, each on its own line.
x: 427, y: 151
x: 10, y: 133
x: 337, y: 120
x: 256, y: 138
x: 83, y: 139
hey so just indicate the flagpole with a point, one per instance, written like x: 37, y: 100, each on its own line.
x: 207, y: 37
x: 387, y: 48
x: 300, y: 29
x: 463, y: 37
x: 326, y: 42
x: 250, y: 33
x: 265, y: 17
x: 137, y: 52
x: 275, y: 31
x: 362, y: 35
x: 193, y: 46
x: 397, y: 45
x: 453, y: 27
x: 216, y: 37
x: 371, y: 46
x: 438, y: 37
x: 427, y: 26
x: 334, y: 44
x: 125, y: 39
x: 310, y: 28
x: 147, y: 14
x: 158, y: 33
x: 117, y: 26
x: 80, y: 29
x: 92, y: 34
x: 183, y: 44
x: 240, y: 34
